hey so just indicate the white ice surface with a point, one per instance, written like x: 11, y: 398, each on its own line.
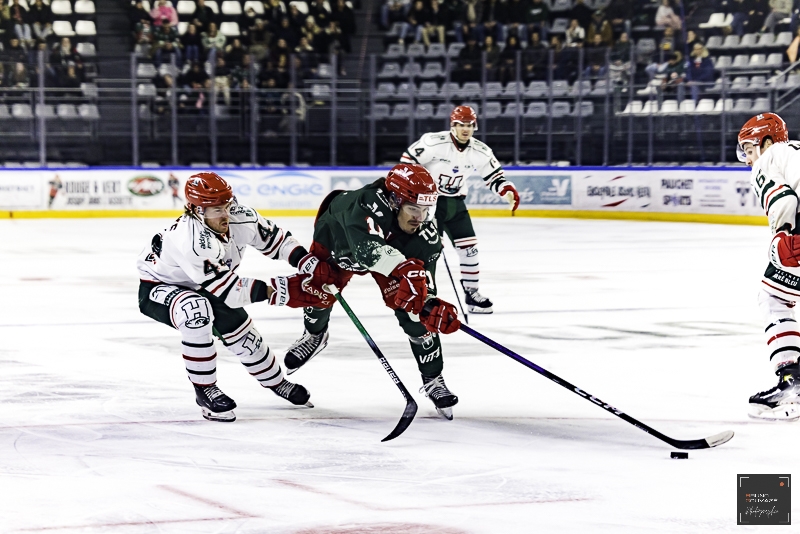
x: 100, y: 433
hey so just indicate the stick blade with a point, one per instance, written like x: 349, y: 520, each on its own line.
x: 405, y: 420
x: 718, y: 439
x: 711, y: 441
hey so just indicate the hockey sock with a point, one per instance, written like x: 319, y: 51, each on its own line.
x: 255, y: 355
x: 316, y: 319
x: 192, y: 316
x: 783, y: 337
x: 427, y: 351
x: 467, y: 249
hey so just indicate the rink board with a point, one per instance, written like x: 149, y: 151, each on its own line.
x: 698, y: 194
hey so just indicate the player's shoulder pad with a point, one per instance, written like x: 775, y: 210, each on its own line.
x: 241, y: 213
x: 481, y: 148
x: 375, y: 201
x: 435, y: 138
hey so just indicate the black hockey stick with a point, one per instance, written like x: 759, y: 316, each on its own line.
x: 411, y: 405
x: 711, y: 441
x: 452, y: 281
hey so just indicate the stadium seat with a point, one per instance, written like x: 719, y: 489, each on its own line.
x: 783, y: 39
x: 389, y: 70
x: 583, y: 87
x: 449, y: 89
x: 601, y: 88
x: 723, y: 63
x: 411, y: 70
x: 687, y: 106
x: 510, y: 90
x: 380, y: 111
x: 669, y: 107
x: 536, y: 109
x: 63, y: 28
x: 415, y: 50
x: 4, y: 113
x: 58, y: 7
x: 89, y: 90
x: 301, y: 6
x: 145, y: 4
x: 146, y: 70
x: 454, y: 49
x: 405, y: 91
x: 559, y: 109
x: 432, y: 70
x: 443, y: 111
x: 85, y: 28
x: 749, y: 40
x: 536, y: 89
x: 89, y: 112
x: 773, y: 60
x: 559, y: 87
x: 213, y: 5
x: 394, y: 51
x: 257, y: 6
x: 511, y: 110
x: 229, y: 29
x: 470, y: 90
x: 185, y: 7
x: 760, y: 105
x: 557, y: 6
x: 766, y: 40
x: 791, y: 81
x: 757, y: 84
x: 731, y: 41
x: 66, y: 111
x: 436, y: 50
x: 182, y: 27
x: 739, y: 84
x: 428, y: 90
x: 705, y: 105
x: 649, y: 107
x: 493, y: 110
x: 385, y: 90
x: 742, y: 105
x: 45, y: 110
x: 586, y: 109
x: 21, y: 111
x: 85, y: 7
x: 424, y: 111
x: 740, y: 62
x: 320, y: 92
x: 146, y: 90
x: 759, y: 60
x: 717, y: 20
x: 401, y: 111
x: 231, y: 8
x: 86, y: 49
x: 634, y: 106
x: 728, y: 103
x: 559, y: 25
x: 715, y: 41
x: 493, y: 89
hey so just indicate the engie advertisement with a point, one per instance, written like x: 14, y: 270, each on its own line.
x: 712, y: 190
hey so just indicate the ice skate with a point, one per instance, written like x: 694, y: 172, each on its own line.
x: 781, y: 403
x: 436, y: 390
x: 304, y: 349
x: 477, y: 303
x: 216, y: 406
x: 294, y: 393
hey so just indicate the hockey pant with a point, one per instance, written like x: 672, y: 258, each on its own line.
x: 454, y: 220
x: 199, y: 316
x: 425, y: 346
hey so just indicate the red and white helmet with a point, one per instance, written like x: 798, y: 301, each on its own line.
x: 206, y: 189
x: 759, y: 128
x: 464, y: 115
x: 411, y: 183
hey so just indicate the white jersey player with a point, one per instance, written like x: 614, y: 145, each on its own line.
x: 764, y: 145
x: 188, y: 281
x: 451, y: 157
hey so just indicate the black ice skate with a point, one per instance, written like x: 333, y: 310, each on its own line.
x: 436, y: 390
x: 216, y: 406
x: 304, y: 349
x: 294, y: 393
x: 477, y: 303
x: 781, y: 403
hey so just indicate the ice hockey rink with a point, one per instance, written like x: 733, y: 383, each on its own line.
x: 100, y: 432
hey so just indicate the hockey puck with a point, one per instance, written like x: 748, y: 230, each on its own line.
x: 679, y: 455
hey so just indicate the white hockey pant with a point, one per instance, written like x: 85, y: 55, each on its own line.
x: 782, y: 331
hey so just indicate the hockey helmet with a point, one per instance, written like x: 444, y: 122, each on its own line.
x: 411, y: 183
x: 206, y: 189
x: 759, y: 128
x: 464, y: 115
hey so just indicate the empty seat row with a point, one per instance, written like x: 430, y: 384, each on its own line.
x: 63, y: 28
x: 534, y: 89
x: 493, y: 110
x: 750, y: 40
x: 755, y: 61
x: 48, y: 111
x: 702, y: 106
x: 65, y: 7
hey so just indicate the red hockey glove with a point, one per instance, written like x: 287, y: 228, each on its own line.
x: 288, y: 291
x: 321, y: 272
x: 509, y: 193
x: 440, y: 317
x: 787, y: 249
x: 413, y: 287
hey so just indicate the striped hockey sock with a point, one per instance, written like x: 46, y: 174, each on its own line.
x: 467, y: 249
x: 200, y: 358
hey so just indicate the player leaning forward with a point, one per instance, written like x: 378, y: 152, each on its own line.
x: 385, y: 229
x: 764, y: 145
x: 452, y: 157
x: 188, y: 282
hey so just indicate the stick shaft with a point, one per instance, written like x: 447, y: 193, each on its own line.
x: 453, y: 282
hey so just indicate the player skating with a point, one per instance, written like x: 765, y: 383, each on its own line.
x: 452, y: 157
x: 385, y: 229
x: 188, y: 282
x: 764, y: 145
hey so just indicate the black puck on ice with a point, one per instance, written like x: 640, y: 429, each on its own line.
x: 679, y: 455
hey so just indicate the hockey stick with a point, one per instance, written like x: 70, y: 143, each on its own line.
x: 706, y: 443
x: 452, y: 281
x: 411, y: 405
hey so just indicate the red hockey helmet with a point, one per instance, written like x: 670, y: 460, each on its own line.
x: 759, y: 128
x: 412, y: 183
x: 206, y: 189
x: 464, y: 115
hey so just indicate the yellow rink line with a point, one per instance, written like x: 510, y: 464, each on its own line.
x: 562, y: 214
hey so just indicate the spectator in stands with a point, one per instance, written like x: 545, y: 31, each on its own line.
x: 780, y: 9
x: 792, y: 51
x: 6, y: 28
x: 665, y: 16
x: 19, y: 77
x: 203, y: 16
x: 19, y: 18
x: 313, y: 34
x: 674, y: 73
x: 492, y: 57
x: 195, y: 78
x: 143, y: 36
x: 535, y: 15
x: 166, y: 43
x: 692, y: 39
x: 192, y: 44
x: 305, y: 59
x: 42, y: 19
x: 582, y: 12
x: 164, y: 86
x: 247, y: 22
x: 534, y: 59
x: 436, y: 27
x: 575, y: 35
x: 557, y: 46
x: 234, y: 53
x: 289, y: 33
x: 599, y: 25
x: 15, y: 52
x: 418, y: 17
x: 596, y: 50
x: 320, y: 13
x: 620, y: 13
x: 213, y: 39
x: 274, y: 11
x: 258, y: 40
x: 164, y: 10
x: 469, y: 62
x: 668, y: 40
x: 392, y: 11
x: 3, y: 80
x: 741, y: 11
x: 508, y: 60
x: 595, y: 71
x: 63, y: 54
x: 450, y: 12
x: 290, y: 98
x: 493, y: 18
x: 280, y: 53
x: 701, y: 71
x: 622, y: 49
x: 344, y: 17
x: 271, y: 101
x: 137, y: 14
x: 222, y: 80
x: 296, y: 19
x: 469, y: 16
x: 70, y: 80
x: 240, y: 75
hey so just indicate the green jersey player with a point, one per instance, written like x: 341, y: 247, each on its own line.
x: 385, y: 229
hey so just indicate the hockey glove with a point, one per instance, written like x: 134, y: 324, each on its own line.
x: 413, y: 288
x: 440, y: 317
x: 784, y: 251
x: 509, y: 192
x: 321, y: 273
x: 288, y: 291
